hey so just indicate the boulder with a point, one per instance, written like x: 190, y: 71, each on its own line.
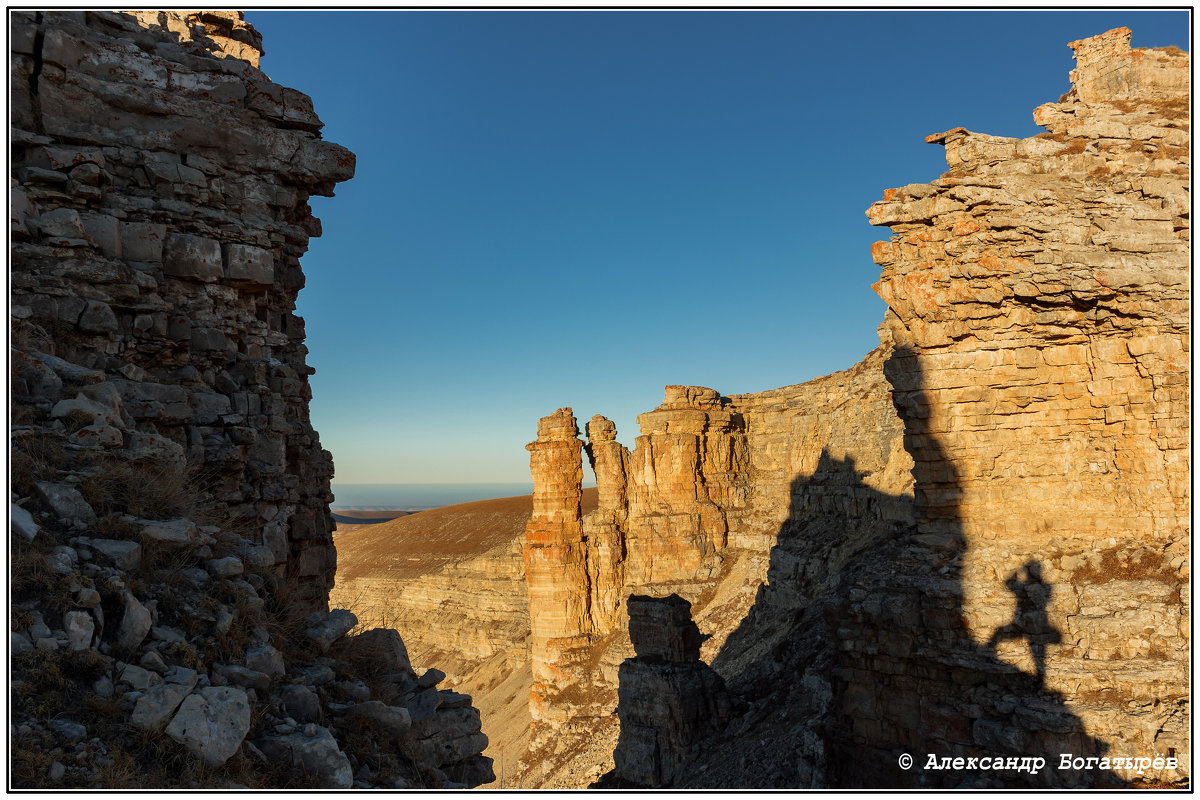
x: 423, y: 706
x: 212, y: 722
x: 432, y: 677
x: 135, y: 624
x: 22, y: 522
x: 157, y: 704
x: 336, y: 624
x: 242, y: 676
x: 66, y: 501
x: 265, y: 659
x: 300, y: 703
x: 139, y: 678
x: 314, y: 752
x: 123, y: 554
x: 80, y: 627
x: 382, y: 648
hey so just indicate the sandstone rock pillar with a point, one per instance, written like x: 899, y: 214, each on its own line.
x: 605, y: 527
x: 683, y: 476
x: 555, y: 556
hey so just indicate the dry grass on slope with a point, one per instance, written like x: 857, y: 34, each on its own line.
x: 421, y: 543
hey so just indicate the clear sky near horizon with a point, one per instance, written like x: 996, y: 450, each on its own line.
x: 576, y: 208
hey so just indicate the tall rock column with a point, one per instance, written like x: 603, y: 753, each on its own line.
x: 605, y: 527
x: 555, y: 559
x: 685, y: 475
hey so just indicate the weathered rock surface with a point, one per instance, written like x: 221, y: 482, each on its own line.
x: 1038, y: 298
x: 783, y: 486
x: 211, y: 723
x: 315, y: 752
x: 453, y: 580
x: 975, y: 541
x: 668, y: 700
x: 170, y: 526
x: 133, y: 266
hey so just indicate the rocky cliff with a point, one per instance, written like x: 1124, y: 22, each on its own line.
x: 744, y: 506
x: 172, y: 556
x: 972, y: 544
x: 1038, y: 295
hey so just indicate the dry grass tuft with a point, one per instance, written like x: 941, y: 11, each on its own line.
x: 149, y: 489
x: 36, y: 456
x: 31, y: 577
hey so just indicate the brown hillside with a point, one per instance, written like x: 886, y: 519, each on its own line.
x: 451, y: 581
x: 417, y: 544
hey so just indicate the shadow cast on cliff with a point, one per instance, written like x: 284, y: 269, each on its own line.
x: 857, y: 657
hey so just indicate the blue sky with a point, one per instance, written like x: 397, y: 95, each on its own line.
x: 576, y: 208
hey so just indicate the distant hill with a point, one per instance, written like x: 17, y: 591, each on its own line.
x: 419, y: 543
x: 348, y: 520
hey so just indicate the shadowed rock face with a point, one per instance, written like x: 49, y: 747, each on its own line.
x: 1039, y: 292
x: 160, y: 211
x: 669, y: 699
x: 171, y: 493
x: 975, y: 540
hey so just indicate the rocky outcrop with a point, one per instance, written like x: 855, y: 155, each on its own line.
x: 1038, y: 296
x: 452, y: 579
x: 163, y: 261
x: 172, y: 555
x: 669, y: 700
x: 740, y: 505
x: 975, y: 541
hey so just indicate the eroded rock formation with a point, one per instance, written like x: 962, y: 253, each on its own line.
x: 972, y: 543
x: 740, y: 505
x: 1038, y: 296
x: 172, y: 556
x: 668, y: 699
x: 165, y: 259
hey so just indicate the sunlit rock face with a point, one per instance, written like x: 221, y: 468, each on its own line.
x: 720, y: 496
x: 973, y: 541
x: 1039, y: 293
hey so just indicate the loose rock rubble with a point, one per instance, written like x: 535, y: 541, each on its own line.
x: 171, y: 555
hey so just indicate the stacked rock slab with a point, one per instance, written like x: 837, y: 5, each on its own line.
x: 159, y: 210
x: 1038, y: 296
x: 171, y: 551
x: 555, y: 559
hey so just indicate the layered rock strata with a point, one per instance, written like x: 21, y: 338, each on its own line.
x: 711, y: 505
x: 1038, y: 295
x: 159, y: 209
x: 669, y: 700
x: 975, y: 542
x: 171, y: 555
